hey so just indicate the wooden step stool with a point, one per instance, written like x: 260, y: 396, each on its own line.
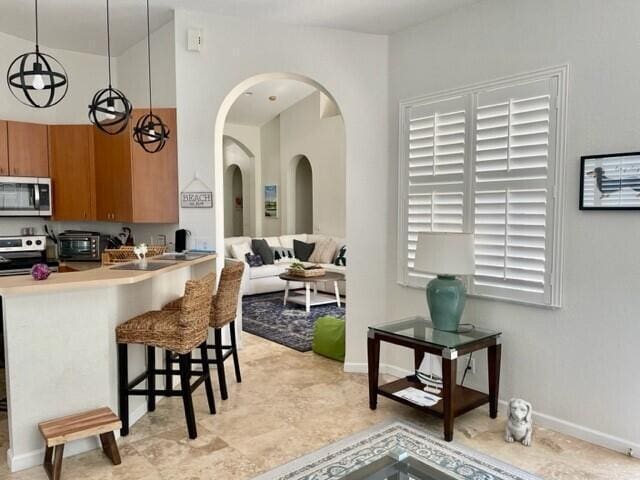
x: 57, y: 432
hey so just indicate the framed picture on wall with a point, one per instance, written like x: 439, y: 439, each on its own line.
x: 271, y: 201
x: 610, y: 182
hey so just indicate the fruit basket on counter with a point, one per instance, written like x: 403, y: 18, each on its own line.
x: 113, y: 256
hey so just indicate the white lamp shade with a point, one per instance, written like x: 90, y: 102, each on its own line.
x: 445, y: 253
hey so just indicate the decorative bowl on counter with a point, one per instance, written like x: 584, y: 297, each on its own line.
x: 40, y: 271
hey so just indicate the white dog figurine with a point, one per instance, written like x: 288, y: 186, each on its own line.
x: 519, y: 427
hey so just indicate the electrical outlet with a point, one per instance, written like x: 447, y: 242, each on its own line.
x: 200, y: 243
x: 472, y: 366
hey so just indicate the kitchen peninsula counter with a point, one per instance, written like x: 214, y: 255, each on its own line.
x: 60, y: 344
x: 91, y: 278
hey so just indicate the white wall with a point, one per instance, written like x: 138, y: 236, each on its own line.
x: 577, y: 364
x: 353, y: 68
x: 270, y: 174
x: 133, y: 76
x: 303, y: 131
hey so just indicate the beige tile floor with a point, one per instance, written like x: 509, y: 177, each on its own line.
x: 290, y: 404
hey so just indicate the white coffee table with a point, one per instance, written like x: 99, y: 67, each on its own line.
x: 311, y: 299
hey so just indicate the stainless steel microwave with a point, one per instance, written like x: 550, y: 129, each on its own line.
x: 25, y: 197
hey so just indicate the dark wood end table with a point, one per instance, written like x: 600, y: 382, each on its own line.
x: 418, y: 334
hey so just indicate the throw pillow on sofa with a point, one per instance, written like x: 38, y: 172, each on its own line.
x: 254, y: 260
x: 324, y: 251
x: 239, y: 251
x: 303, y: 250
x: 341, y: 258
x: 262, y: 248
x: 282, y: 253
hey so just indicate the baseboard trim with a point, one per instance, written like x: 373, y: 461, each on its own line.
x: 36, y: 457
x: 544, y: 420
x: 584, y: 433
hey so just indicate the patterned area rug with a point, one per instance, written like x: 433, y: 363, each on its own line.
x: 353, y: 456
x: 265, y: 315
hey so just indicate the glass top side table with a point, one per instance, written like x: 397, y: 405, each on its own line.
x: 421, y: 329
x: 418, y: 334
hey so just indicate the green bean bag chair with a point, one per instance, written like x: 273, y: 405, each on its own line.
x: 328, y: 337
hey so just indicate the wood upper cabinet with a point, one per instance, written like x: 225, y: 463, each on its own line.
x: 131, y: 184
x: 112, y: 155
x: 71, y: 166
x: 28, y: 149
x: 4, y: 149
x: 155, y: 176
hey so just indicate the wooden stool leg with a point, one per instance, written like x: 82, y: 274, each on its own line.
x: 185, y: 385
x: 151, y: 379
x: 123, y: 387
x: 234, y: 350
x: 207, y: 379
x: 110, y: 447
x: 53, y: 469
x: 217, y: 334
x: 168, y: 363
x: 47, y: 465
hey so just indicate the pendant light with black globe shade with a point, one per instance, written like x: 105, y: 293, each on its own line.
x: 110, y: 109
x: 150, y: 131
x: 36, y: 79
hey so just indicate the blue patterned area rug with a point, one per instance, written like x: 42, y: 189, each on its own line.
x: 372, y: 454
x: 265, y: 316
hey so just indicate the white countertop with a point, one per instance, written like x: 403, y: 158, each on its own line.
x: 97, y: 277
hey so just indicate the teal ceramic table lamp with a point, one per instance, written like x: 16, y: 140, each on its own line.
x: 446, y: 255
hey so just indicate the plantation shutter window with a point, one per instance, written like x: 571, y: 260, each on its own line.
x: 513, y: 190
x: 486, y: 160
x: 435, y: 177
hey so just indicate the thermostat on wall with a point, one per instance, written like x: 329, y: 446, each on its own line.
x: 194, y: 40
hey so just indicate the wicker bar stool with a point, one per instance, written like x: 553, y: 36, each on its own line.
x: 178, y: 331
x: 223, y: 312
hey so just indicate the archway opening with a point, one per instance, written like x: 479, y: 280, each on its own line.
x: 303, y: 196
x: 291, y: 195
x: 239, y: 165
x: 233, y: 202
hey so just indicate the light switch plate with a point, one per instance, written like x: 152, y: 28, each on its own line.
x: 194, y: 40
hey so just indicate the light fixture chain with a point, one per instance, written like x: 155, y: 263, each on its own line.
x: 108, y: 44
x: 37, y: 36
x: 149, y: 56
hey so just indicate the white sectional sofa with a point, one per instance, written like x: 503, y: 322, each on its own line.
x: 265, y: 279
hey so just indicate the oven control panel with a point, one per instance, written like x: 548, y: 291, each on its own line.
x: 23, y: 244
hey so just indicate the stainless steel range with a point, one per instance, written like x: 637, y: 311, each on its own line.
x: 18, y: 254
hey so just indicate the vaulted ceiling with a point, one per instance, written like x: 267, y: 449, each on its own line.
x: 80, y: 24
x: 255, y: 108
